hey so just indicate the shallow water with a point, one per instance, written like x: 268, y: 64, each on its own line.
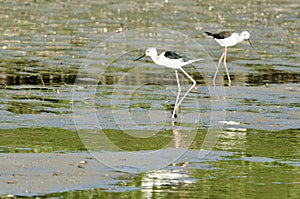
x: 118, y: 105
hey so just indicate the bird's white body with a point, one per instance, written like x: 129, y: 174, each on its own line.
x: 234, y: 39
x: 162, y: 60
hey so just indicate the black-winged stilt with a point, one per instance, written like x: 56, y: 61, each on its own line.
x: 172, y: 60
x: 227, y: 39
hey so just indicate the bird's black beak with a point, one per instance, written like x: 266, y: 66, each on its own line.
x: 139, y: 57
x: 250, y: 42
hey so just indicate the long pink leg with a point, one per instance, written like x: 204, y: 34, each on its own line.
x: 220, y: 60
x: 225, y: 65
x: 194, y: 84
x: 178, y: 94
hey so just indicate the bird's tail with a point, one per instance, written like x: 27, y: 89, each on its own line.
x: 193, y: 60
x: 209, y: 33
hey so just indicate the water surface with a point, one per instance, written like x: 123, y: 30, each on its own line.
x: 44, y: 44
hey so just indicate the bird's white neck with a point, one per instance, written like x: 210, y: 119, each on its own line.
x: 241, y: 38
x: 155, y: 59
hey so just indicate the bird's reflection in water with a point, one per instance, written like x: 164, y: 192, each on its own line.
x: 177, y: 140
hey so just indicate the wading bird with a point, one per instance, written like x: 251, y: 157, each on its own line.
x: 172, y: 60
x: 227, y: 39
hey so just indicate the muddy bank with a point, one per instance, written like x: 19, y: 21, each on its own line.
x: 39, y: 174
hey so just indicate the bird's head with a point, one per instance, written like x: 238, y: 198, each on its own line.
x: 149, y: 52
x: 246, y: 36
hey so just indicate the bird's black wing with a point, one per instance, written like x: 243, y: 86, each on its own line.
x: 220, y: 35
x: 173, y: 55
